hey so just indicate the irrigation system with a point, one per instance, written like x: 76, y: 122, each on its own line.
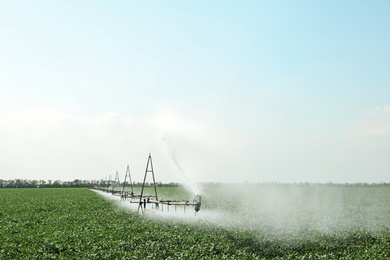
x: 127, y: 192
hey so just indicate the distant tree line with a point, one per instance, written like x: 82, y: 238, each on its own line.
x: 24, y: 183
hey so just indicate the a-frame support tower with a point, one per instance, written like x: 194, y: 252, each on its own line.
x: 116, y: 185
x: 124, y: 194
x: 142, y: 200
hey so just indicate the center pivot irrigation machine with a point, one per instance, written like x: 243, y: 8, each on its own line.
x: 143, y: 200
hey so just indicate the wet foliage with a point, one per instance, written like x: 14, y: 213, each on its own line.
x: 80, y: 224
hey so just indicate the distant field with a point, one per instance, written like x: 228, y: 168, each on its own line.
x: 246, y: 222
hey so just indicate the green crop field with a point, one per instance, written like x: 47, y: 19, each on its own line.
x: 235, y: 222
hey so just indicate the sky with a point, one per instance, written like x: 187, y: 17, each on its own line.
x: 215, y: 91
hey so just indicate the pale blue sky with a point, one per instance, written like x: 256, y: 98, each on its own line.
x: 289, y: 91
